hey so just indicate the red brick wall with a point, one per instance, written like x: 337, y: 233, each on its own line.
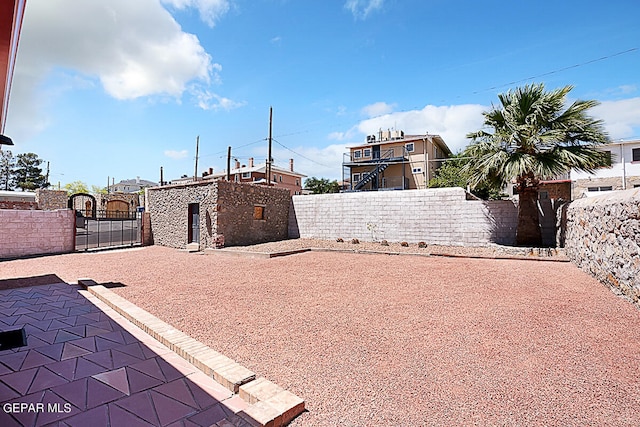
x: 34, y: 232
x: 8, y: 204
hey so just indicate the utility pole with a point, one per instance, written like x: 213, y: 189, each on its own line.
x: 47, y: 176
x: 161, y: 177
x: 195, y: 174
x: 229, y: 163
x: 269, y: 159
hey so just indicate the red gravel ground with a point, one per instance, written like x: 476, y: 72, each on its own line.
x: 395, y: 340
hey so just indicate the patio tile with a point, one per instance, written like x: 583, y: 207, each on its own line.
x: 96, y: 417
x: 93, y: 331
x: 141, y: 405
x: 57, y: 409
x: 7, y: 393
x: 65, y: 369
x: 72, y: 351
x: 45, y: 379
x: 34, y: 359
x: 178, y: 390
x: 35, y: 342
x: 48, y: 336
x: 14, y: 360
x: 102, y: 358
x: 122, y: 359
x: 74, y: 392
x: 134, y: 350
x: 54, y: 351
x: 99, y: 393
x: 208, y: 417
x: 36, y: 327
x: 115, y: 336
x: 149, y: 367
x: 64, y: 336
x: 120, y: 417
x: 27, y: 418
x: 139, y: 381
x: 20, y: 381
x: 116, y: 379
x: 86, y: 368
x: 169, y: 410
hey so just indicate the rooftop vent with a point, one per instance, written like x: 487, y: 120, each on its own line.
x: 371, y: 138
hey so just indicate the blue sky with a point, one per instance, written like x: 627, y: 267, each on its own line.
x: 119, y: 88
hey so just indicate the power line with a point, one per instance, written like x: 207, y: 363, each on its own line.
x: 561, y: 69
x: 298, y: 154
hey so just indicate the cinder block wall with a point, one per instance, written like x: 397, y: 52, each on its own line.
x: 226, y: 209
x: 602, y: 237
x: 35, y: 232
x: 441, y: 216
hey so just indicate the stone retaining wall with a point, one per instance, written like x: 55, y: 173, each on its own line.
x: 226, y: 213
x: 36, y: 232
x: 50, y: 200
x: 602, y: 237
x: 441, y: 216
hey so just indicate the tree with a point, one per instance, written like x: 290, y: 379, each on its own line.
x: 76, y: 187
x: 321, y: 185
x: 95, y: 189
x: 27, y: 172
x: 534, y: 136
x: 7, y: 163
x: 452, y: 173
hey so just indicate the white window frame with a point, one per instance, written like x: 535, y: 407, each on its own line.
x: 246, y: 175
x: 417, y: 170
x: 365, y: 154
x: 413, y: 147
x: 357, y: 154
x: 355, y: 178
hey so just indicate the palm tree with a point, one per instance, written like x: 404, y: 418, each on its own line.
x: 534, y: 136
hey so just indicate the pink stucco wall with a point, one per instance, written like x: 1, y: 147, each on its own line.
x: 34, y: 232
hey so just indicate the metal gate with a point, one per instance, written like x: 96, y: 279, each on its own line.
x: 107, y: 229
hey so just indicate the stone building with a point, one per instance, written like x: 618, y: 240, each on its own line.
x: 211, y: 214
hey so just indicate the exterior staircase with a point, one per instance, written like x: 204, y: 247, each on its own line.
x: 370, y: 175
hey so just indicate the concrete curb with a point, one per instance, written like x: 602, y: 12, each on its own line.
x: 269, y: 404
x: 264, y: 255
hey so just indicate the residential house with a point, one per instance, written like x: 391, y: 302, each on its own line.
x: 132, y: 185
x: 392, y: 160
x: 624, y: 172
x: 256, y: 174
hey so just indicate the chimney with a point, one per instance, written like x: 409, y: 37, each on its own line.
x: 291, y: 165
x: 137, y: 180
x: 210, y: 171
x: 250, y: 162
x: 237, y: 164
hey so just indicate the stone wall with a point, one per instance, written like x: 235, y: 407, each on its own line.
x: 237, y: 207
x: 226, y: 211
x: 50, y: 200
x: 441, y: 216
x: 10, y: 204
x: 36, y: 232
x: 602, y: 237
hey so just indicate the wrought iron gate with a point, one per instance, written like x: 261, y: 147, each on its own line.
x: 107, y: 229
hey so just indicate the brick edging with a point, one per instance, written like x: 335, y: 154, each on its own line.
x: 269, y: 404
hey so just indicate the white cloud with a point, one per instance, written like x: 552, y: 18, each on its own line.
x: 452, y: 123
x: 132, y: 49
x: 360, y: 9
x: 176, y: 155
x: 377, y: 109
x: 210, y: 10
x: 621, y: 118
x: 208, y: 100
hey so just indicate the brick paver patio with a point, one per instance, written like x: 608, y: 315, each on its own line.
x: 85, y: 365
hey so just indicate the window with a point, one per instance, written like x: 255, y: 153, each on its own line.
x: 258, y: 212
x: 409, y: 147
x: 246, y: 175
x: 603, y: 188
x: 635, y: 155
x: 417, y: 170
x: 607, y: 158
x: 280, y: 178
x: 355, y: 177
x: 367, y: 152
x: 297, y: 181
x: 357, y: 154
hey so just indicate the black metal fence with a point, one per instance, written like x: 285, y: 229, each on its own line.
x: 107, y: 229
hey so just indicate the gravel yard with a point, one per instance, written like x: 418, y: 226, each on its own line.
x: 375, y: 339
